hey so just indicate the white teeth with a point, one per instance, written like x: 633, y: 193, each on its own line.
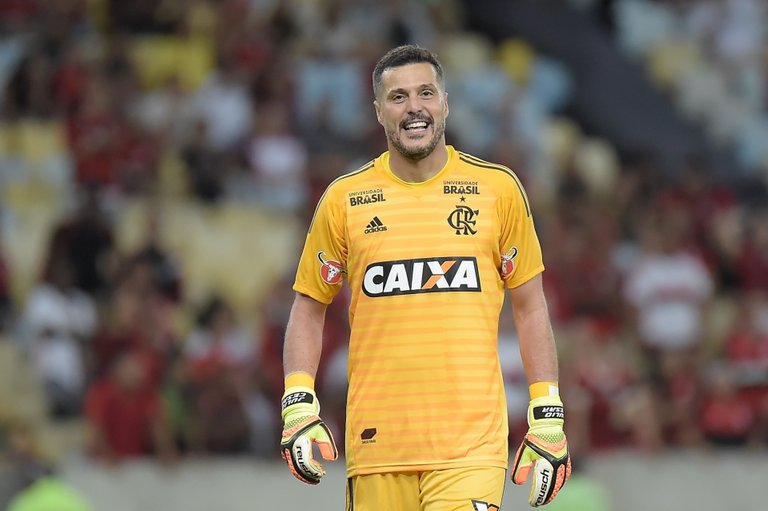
x: 416, y: 125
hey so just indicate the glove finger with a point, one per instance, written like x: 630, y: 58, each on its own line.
x: 543, y: 483
x: 304, y: 463
x: 286, y: 455
x: 558, y: 484
x: 328, y: 450
x: 325, y: 443
x: 522, y: 464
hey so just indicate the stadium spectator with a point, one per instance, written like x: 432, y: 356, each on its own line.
x: 278, y: 161
x: 223, y: 104
x: 219, y: 340
x: 668, y: 287
x: 745, y: 354
x: 165, y: 112
x: 84, y: 241
x: 753, y: 263
x: 205, y: 174
x: 93, y: 134
x: 726, y: 417
x: 29, y: 90
x: 58, y: 319
x: 125, y: 415
x: 131, y: 325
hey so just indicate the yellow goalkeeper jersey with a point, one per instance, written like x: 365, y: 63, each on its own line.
x: 426, y: 264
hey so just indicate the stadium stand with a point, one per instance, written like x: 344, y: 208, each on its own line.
x: 160, y: 161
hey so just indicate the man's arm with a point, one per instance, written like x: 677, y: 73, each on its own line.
x: 302, y: 426
x: 304, y: 336
x: 534, y: 330
x: 544, y: 450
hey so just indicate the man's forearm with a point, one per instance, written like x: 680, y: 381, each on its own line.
x: 304, y: 336
x: 537, y: 347
x: 534, y: 330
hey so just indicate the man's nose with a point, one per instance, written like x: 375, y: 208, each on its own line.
x: 414, y: 104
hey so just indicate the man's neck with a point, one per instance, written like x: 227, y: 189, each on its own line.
x: 418, y: 171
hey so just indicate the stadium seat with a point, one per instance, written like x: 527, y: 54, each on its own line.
x: 598, y: 164
x: 158, y: 58
x: 561, y: 138
x: 516, y: 57
x: 32, y: 209
x: 669, y: 60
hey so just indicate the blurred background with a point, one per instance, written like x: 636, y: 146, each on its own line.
x: 159, y: 163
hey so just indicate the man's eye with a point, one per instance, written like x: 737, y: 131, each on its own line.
x: 427, y: 93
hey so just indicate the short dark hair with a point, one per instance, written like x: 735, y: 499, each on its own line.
x: 404, y: 55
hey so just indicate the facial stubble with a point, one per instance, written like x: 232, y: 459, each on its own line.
x: 417, y: 153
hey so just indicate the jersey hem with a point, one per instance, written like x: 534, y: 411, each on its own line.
x: 511, y: 284
x: 421, y: 467
x: 312, y: 294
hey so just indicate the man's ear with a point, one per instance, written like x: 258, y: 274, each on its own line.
x: 447, y: 110
x: 377, y: 107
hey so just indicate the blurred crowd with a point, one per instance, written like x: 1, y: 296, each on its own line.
x: 186, y: 109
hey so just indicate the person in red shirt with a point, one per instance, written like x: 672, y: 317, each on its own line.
x: 746, y: 354
x: 726, y: 417
x: 125, y: 415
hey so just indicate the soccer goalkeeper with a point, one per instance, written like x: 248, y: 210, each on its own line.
x: 429, y: 240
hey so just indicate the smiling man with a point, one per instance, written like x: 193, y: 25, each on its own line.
x: 428, y: 239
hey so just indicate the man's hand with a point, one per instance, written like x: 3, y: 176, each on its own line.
x: 544, y: 450
x: 302, y: 427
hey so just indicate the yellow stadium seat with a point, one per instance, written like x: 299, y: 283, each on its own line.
x: 33, y: 208
x: 158, y: 58
x: 21, y: 395
x: 40, y: 140
x: 670, y: 60
x: 516, y: 57
x: 6, y: 133
x: 561, y: 137
x: 465, y: 52
x: 598, y: 164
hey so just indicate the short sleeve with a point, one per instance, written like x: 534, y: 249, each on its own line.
x: 323, y: 263
x: 519, y: 249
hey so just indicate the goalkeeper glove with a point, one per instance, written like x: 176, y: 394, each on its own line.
x: 302, y: 427
x: 543, y: 450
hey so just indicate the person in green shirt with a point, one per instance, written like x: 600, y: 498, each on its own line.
x: 582, y: 493
x: 49, y: 494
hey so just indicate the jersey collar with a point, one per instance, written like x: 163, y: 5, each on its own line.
x: 383, y: 161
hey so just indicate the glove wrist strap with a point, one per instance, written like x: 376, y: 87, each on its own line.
x: 543, y: 389
x: 299, y: 379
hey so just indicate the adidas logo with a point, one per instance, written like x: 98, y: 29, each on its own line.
x: 375, y: 225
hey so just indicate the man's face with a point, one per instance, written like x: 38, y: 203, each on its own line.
x: 412, y: 108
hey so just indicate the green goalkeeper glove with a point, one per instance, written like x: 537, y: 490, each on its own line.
x: 302, y: 427
x: 544, y: 450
